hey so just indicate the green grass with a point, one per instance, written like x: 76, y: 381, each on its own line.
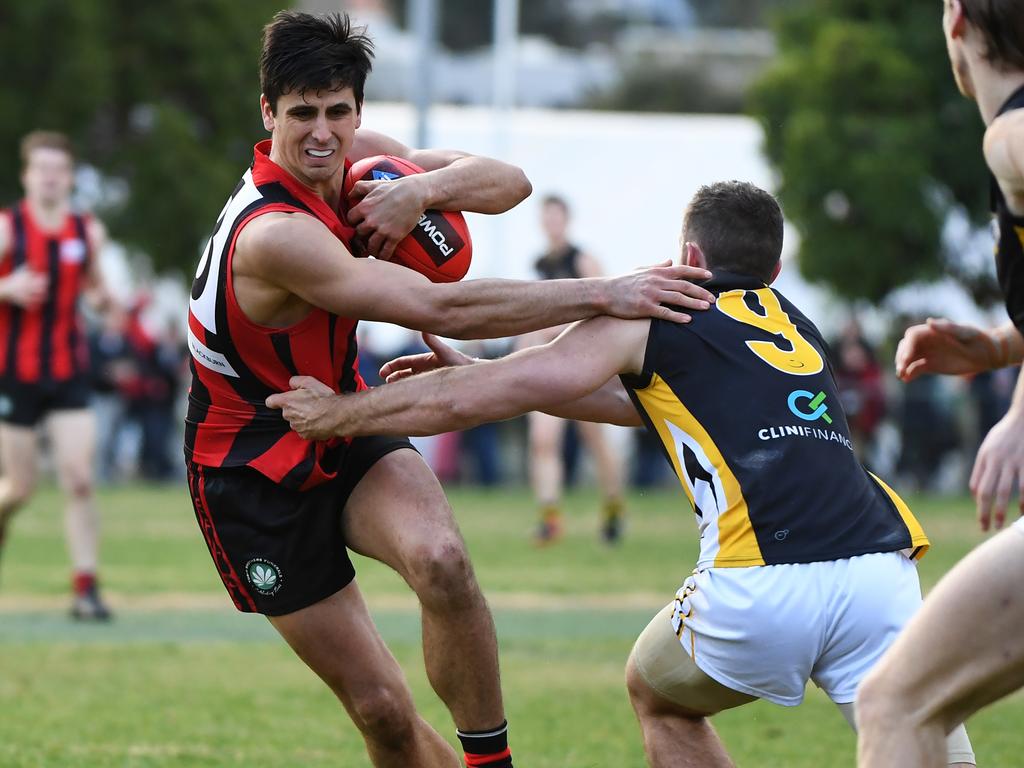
x: 180, y: 679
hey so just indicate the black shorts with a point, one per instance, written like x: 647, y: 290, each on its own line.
x: 25, y: 405
x: 278, y: 549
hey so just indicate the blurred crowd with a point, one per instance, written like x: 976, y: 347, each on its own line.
x: 138, y: 366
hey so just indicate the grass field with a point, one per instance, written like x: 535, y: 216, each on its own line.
x: 181, y: 679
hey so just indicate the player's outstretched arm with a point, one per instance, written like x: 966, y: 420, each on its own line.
x: 302, y: 257
x: 941, y: 346
x: 572, y: 366
x: 608, y: 404
x: 454, y: 181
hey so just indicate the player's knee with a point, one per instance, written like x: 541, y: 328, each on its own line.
x: 878, y: 702
x: 16, y: 492
x: 640, y: 694
x: 79, y: 486
x: 442, y: 572
x: 385, y: 716
x: 543, y: 445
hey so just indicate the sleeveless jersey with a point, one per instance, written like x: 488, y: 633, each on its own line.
x: 236, y: 363
x: 1010, y: 239
x: 747, y: 412
x: 45, y: 343
x: 558, y: 265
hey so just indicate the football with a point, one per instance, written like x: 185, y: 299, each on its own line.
x: 439, y: 246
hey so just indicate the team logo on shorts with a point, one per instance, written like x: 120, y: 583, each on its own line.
x: 264, y: 576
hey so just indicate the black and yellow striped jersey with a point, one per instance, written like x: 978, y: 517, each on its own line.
x: 747, y: 412
x: 1010, y: 239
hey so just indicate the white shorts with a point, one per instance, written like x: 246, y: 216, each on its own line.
x: 767, y: 630
x: 1019, y: 526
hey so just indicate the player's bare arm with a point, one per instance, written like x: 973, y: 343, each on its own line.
x: 22, y: 287
x: 942, y: 346
x: 454, y: 181
x: 572, y: 366
x: 608, y: 404
x: 285, y: 262
x: 1004, y: 154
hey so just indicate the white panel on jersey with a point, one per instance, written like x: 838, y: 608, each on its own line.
x: 710, y: 497
x: 205, y: 307
x: 203, y: 355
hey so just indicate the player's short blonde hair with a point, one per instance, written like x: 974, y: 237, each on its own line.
x: 45, y: 140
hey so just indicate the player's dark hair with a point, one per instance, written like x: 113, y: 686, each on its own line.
x: 738, y: 227
x: 553, y: 199
x: 306, y: 52
x: 1001, y: 23
x: 44, y: 140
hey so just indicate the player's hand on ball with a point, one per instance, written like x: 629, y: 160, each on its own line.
x: 308, y: 408
x: 387, y: 212
x: 999, y: 470
x: 940, y: 346
x: 440, y: 356
x: 644, y: 292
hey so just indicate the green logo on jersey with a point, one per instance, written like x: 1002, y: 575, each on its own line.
x: 264, y: 576
x: 818, y: 409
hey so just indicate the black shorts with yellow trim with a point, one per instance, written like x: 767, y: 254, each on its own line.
x: 277, y: 549
x: 25, y: 404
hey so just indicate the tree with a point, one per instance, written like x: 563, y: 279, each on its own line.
x: 873, y: 144
x: 162, y: 96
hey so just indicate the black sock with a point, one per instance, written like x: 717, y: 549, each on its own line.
x: 488, y: 748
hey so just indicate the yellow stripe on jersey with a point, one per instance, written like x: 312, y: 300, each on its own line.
x: 1020, y: 235
x: 737, y: 544
x: 918, y: 539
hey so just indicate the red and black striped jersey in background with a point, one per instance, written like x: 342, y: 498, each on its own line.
x: 236, y: 363
x: 45, y: 343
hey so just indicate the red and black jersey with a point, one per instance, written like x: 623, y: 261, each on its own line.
x: 236, y: 363
x: 45, y: 343
x: 1010, y: 239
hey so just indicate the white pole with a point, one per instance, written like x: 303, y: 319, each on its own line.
x: 506, y: 34
x: 503, y: 101
x: 423, y: 14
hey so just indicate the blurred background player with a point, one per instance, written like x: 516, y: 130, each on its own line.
x: 549, y: 434
x: 932, y: 679
x: 48, y: 258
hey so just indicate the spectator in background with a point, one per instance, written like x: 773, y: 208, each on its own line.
x: 927, y: 426
x: 159, y: 357
x: 859, y: 378
x: 563, y: 259
x: 49, y: 257
x: 113, y: 366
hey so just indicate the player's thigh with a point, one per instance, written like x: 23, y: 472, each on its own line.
x: 933, y: 667
x: 662, y: 676
x: 594, y: 435
x: 398, y: 513
x: 338, y: 640
x: 19, y: 457
x: 546, y: 431
x: 73, y: 437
